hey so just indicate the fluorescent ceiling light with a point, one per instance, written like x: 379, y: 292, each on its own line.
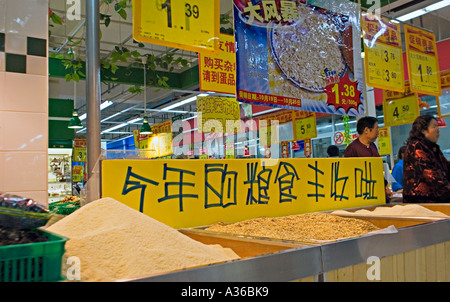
x: 102, y: 106
x: 121, y: 125
x: 191, y: 99
x: 184, y: 102
x: 423, y: 11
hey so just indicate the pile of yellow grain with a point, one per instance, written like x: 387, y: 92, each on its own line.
x: 303, y: 227
x: 116, y: 242
x: 412, y: 210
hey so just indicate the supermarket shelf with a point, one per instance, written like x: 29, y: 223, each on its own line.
x: 297, y: 263
x: 282, y: 266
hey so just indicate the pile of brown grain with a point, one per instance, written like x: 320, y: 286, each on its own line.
x: 304, y: 227
x: 116, y: 242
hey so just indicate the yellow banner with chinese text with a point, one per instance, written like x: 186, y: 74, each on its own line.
x: 190, y: 193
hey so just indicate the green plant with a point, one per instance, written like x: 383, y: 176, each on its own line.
x: 120, y: 55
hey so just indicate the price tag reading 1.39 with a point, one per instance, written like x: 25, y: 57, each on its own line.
x: 187, y: 24
x: 401, y: 111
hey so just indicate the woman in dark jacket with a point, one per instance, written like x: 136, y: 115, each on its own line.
x: 426, y: 172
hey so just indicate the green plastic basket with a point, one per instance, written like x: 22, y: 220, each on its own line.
x: 67, y: 209
x: 54, y: 205
x: 33, y: 262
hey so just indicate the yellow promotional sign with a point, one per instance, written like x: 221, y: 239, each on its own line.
x: 400, y: 108
x: 218, y: 114
x: 186, y: 24
x: 190, y: 193
x: 229, y: 149
x: 423, y: 63
x: 79, y: 155
x: 164, y: 127
x: 443, y: 101
x: 159, y: 144
x: 218, y: 72
x: 77, y: 173
x: 383, y: 53
x: 305, y: 128
x: 401, y: 111
x: 384, y: 141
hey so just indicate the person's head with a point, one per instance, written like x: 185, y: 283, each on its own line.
x: 367, y: 127
x: 401, y: 152
x: 425, y: 126
x: 333, y: 151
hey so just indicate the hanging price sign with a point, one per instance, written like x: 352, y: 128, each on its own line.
x: 400, y: 111
x: 423, y: 63
x: 383, y: 53
x: 186, y: 24
x: 384, y: 141
x: 305, y: 128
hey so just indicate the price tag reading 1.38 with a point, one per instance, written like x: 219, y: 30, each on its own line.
x: 186, y: 24
x: 401, y: 111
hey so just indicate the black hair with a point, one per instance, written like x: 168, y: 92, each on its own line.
x: 401, y: 151
x: 420, y: 124
x: 333, y: 150
x: 366, y: 121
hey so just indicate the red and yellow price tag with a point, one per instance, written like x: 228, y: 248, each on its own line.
x: 423, y: 63
x: 186, y: 24
x: 383, y: 53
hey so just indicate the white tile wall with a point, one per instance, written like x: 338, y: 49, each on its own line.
x: 15, y: 43
x: 25, y: 131
x: 2, y: 137
x: 26, y: 17
x: 24, y: 103
x: 37, y: 65
x: 25, y: 92
x: 2, y: 89
x: 2, y: 12
x: 2, y: 61
x: 23, y: 171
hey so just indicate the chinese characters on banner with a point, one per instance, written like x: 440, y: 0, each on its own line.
x: 184, y: 193
x: 288, y: 56
x: 423, y: 63
x: 383, y: 53
x: 186, y: 24
x: 218, y: 114
x: 218, y: 72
